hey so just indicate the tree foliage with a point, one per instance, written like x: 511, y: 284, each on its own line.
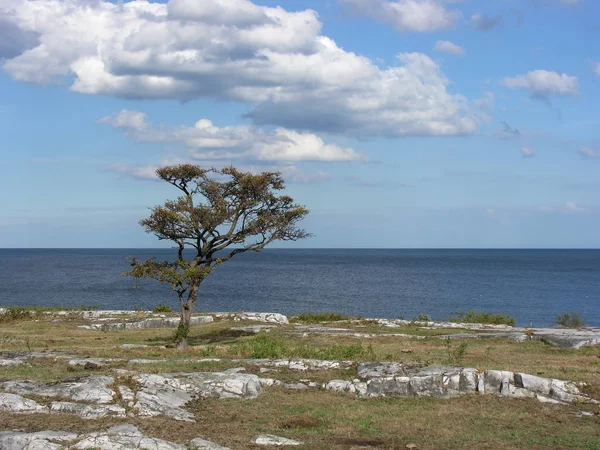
x: 219, y: 214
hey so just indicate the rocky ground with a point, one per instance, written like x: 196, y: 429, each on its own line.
x: 116, y: 385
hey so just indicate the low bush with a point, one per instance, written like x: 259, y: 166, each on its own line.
x: 455, y: 355
x: 483, y: 317
x: 570, y: 320
x: 12, y: 313
x: 422, y: 318
x: 162, y: 308
x: 265, y: 346
x: 310, y: 317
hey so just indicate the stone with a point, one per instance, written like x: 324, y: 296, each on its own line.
x: 203, y: 444
x: 276, y: 318
x: 88, y: 411
x: 165, y: 394
x: 388, y: 387
x: 42, y: 440
x: 269, y: 439
x: 87, y: 389
x: 153, y: 322
x: 380, y: 369
x: 126, y: 393
x: 254, y: 328
x: 10, y: 362
x: 91, y: 363
x: 124, y: 437
x: 17, y: 404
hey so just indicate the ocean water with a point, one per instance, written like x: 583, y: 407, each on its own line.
x: 534, y: 286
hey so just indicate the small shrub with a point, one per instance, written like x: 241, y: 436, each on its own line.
x: 310, y: 317
x: 265, y: 346
x: 162, y: 308
x: 422, y: 318
x: 483, y: 317
x: 455, y: 355
x: 570, y: 320
x: 13, y: 313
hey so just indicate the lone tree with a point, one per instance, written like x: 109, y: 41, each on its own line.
x: 220, y: 213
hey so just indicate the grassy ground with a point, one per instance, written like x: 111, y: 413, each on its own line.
x: 322, y: 420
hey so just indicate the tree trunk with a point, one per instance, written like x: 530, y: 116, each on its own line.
x: 183, y: 328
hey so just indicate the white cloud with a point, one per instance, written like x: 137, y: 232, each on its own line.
x: 544, y: 83
x: 573, y: 207
x: 483, y: 22
x: 449, y: 47
x: 587, y: 153
x: 597, y: 68
x: 526, y: 152
x: 208, y: 142
x: 407, y: 15
x: 275, y: 61
x: 127, y: 120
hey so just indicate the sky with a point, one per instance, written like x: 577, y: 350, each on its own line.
x: 398, y: 123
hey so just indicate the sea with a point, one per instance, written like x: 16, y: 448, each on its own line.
x: 534, y: 286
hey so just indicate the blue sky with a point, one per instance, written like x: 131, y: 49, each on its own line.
x: 398, y: 123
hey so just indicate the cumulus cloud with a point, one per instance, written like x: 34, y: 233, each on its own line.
x: 126, y: 120
x: 587, y: 153
x: 482, y: 22
x: 449, y: 47
x: 544, y: 83
x: 597, y: 68
x: 209, y: 142
x: 15, y: 40
x: 407, y: 15
x: 527, y: 152
x: 273, y: 60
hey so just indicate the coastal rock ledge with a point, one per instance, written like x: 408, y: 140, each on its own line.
x: 167, y: 394
x: 120, y: 437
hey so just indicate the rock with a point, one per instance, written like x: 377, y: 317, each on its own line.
x: 254, y: 328
x: 42, y: 440
x: 269, y: 439
x: 88, y: 389
x: 165, y: 394
x: 17, y: 404
x: 202, y: 444
x: 153, y: 322
x: 301, y: 365
x: 10, y: 362
x: 352, y: 387
x: 574, y: 341
x: 513, y: 336
x: 385, y: 369
x: 254, y: 317
x: 88, y: 411
x: 91, y: 363
x: 126, y: 393
x: 412, y: 446
x: 123, y: 437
